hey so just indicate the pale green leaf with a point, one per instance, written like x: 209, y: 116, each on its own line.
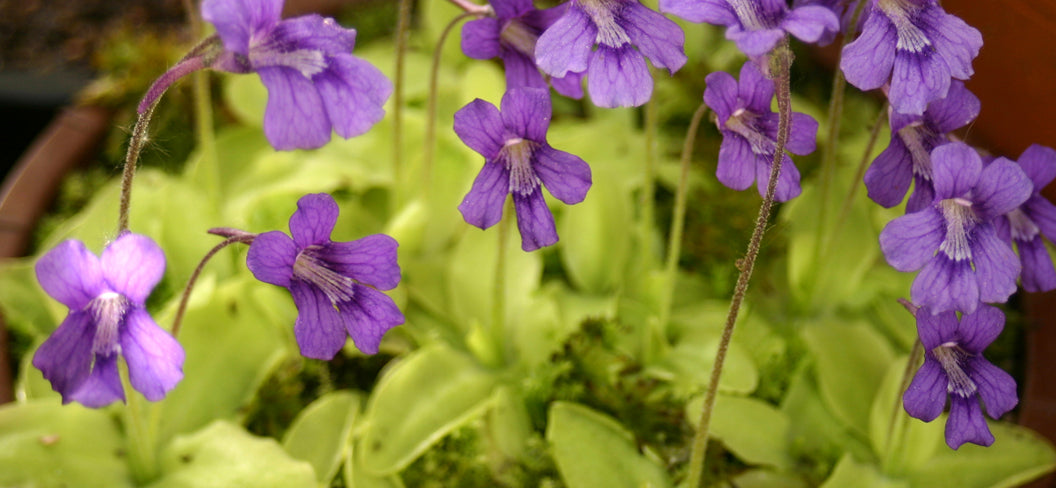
x: 850, y: 472
x: 321, y: 433
x: 49, y: 445
x: 753, y: 430
x: 224, y: 455
x: 1017, y: 456
x: 425, y: 396
x: 594, y: 450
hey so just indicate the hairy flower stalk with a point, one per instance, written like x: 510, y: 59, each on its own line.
x: 781, y: 62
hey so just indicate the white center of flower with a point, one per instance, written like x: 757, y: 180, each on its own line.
x: 108, y: 310
x: 603, y: 13
x: 910, y: 37
x: 1023, y: 228
x: 742, y: 122
x: 308, y: 267
x: 521, y: 38
x: 912, y: 137
x: 749, y: 15
x: 516, y: 155
x: 953, y: 359
x: 960, y: 220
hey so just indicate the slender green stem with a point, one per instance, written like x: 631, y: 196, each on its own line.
x: 648, y: 197
x: 208, y: 165
x: 897, y: 412
x: 429, y: 144
x: 782, y: 60
x: 403, y: 27
x: 142, y: 453
x: 859, y: 173
x: 498, y: 289
x: 135, y: 146
x: 234, y: 236
x: 678, y: 217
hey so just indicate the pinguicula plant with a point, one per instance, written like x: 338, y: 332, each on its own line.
x: 297, y: 310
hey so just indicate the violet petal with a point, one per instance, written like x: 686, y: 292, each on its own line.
x: 925, y: 397
x: 102, y: 386
x: 565, y: 175
x: 910, y: 241
x: 482, y: 206
x: 955, y: 170
x: 370, y: 260
x: 996, y: 387
x: 618, y: 77
x: 133, y: 265
x: 867, y: 62
x: 353, y: 92
x: 888, y: 177
x: 526, y: 113
x: 657, y: 37
x: 314, y: 220
x: 534, y: 220
x: 480, y: 127
x: 480, y: 38
x: 155, y: 359
x: 271, y: 257
x: 566, y: 46
x: 320, y: 328
x: 65, y: 358
x: 736, y: 168
x: 369, y: 316
x: 71, y: 274
x: 996, y: 266
x: 944, y: 284
x: 295, y: 116
x: 1037, y: 272
x: 966, y: 423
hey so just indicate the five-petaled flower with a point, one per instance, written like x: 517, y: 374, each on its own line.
x: 1026, y: 224
x: 916, y: 46
x: 954, y: 240
x: 107, y: 319
x: 954, y: 367
x: 756, y: 26
x: 625, y: 33
x: 749, y: 132
x: 334, y: 284
x: 512, y: 35
x: 518, y: 161
x: 315, y: 85
x: 908, y: 157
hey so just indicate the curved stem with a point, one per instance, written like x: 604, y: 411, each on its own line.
x: 472, y: 8
x: 674, y: 242
x: 498, y: 297
x: 142, y: 451
x: 234, y: 236
x: 429, y: 144
x: 782, y: 62
x: 403, y: 25
x: 135, y: 146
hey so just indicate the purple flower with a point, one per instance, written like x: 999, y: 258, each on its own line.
x: 314, y: 82
x: 625, y: 32
x: 757, y: 25
x: 107, y: 319
x: 1026, y: 224
x: 964, y: 260
x: 749, y: 132
x: 954, y: 367
x: 908, y: 156
x: 334, y: 284
x: 916, y: 46
x: 512, y: 35
x: 518, y: 161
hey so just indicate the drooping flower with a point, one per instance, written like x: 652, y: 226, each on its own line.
x: 518, y: 162
x: 334, y: 284
x: 908, y: 156
x: 954, y: 368
x: 512, y: 35
x: 916, y: 47
x: 625, y: 33
x: 1035, y: 218
x: 757, y: 25
x: 315, y: 85
x: 107, y: 319
x: 749, y: 132
x: 954, y: 240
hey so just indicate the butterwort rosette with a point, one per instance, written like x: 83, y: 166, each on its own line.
x: 756, y: 26
x: 511, y: 35
x: 107, y: 320
x: 335, y: 285
x: 916, y: 47
x: 1034, y: 221
x: 625, y: 33
x: 954, y: 368
x: 749, y: 132
x: 907, y: 159
x: 953, y: 241
x: 519, y: 162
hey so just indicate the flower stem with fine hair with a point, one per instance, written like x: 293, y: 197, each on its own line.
x: 781, y: 61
